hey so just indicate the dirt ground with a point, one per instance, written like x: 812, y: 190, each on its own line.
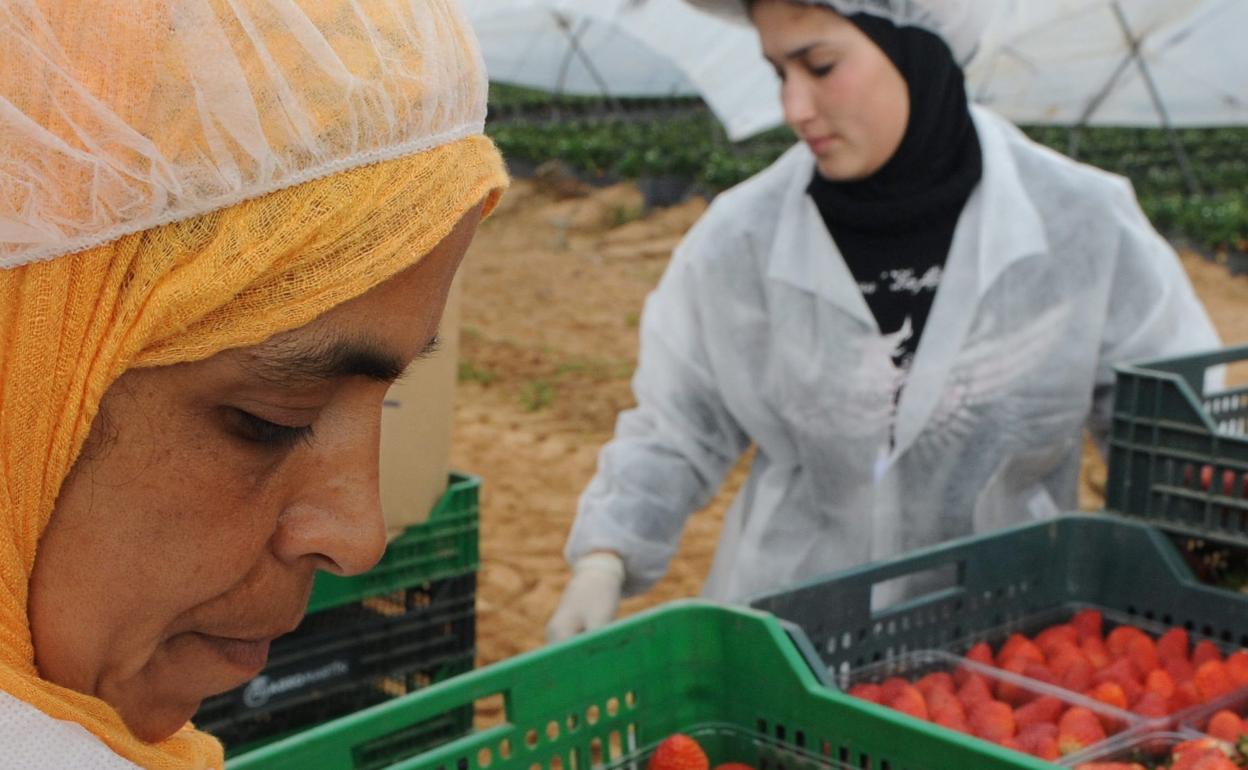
x: 553, y: 290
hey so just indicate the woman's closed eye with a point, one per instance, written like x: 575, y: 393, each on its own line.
x: 258, y: 430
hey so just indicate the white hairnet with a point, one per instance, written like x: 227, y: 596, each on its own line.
x: 960, y: 23
x: 148, y: 113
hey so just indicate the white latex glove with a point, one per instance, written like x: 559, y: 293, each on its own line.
x: 591, y: 597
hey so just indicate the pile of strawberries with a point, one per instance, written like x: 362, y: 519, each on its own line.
x: 1126, y: 669
x: 1200, y: 754
x: 680, y: 752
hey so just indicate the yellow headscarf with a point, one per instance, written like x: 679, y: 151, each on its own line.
x: 183, y: 291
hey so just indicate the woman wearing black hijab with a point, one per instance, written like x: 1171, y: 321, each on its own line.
x: 912, y: 316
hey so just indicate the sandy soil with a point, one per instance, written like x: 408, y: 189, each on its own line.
x: 553, y: 290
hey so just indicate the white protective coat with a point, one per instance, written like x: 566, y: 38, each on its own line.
x: 758, y: 334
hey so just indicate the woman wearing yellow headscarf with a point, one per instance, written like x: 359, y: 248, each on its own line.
x: 225, y: 228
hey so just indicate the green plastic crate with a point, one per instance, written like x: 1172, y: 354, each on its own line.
x: 1167, y: 434
x: 444, y: 546
x: 992, y: 582
x: 605, y: 698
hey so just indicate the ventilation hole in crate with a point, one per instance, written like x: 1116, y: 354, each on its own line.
x: 1009, y: 591
x: 1227, y: 636
x: 630, y: 699
x: 1189, y: 625
x: 762, y: 726
x: 877, y: 629
x: 632, y: 737
x: 614, y: 750
x: 825, y: 747
x: 1207, y: 630
x: 1167, y: 619
x: 847, y: 640
x: 572, y: 760
x: 536, y: 766
x: 843, y: 754
x: 877, y: 657
x: 830, y: 647
x: 780, y: 732
x: 504, y: 748
x: 1150, y: 615
x: 1243, y: 640
x: 592, y: 714
x: 530, y: 739
x: 763, y: 764
x: 862, y: 634
x: 864, y: 761
x: 485, y: 757
x: 844, y: 671
x: 462, y: 763
x: 800, y: 739
x: 573, y: 723
x: 886, y: 765
x: 552, y: 730
x: 556, y: 763
x: 613, y: 706
x: 595, y: 752
x: 780, y: 766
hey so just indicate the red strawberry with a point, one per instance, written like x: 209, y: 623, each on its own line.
x: 866, y: 691
x: 1205, y: 651
x: 1039, y: 711
x: 1052, y: 637
x: 946, y: 710
x: 1078, y: 729
x: 1142, y: 652
x: 1159, y: 682
x: 1040, y: 743
x: 1120, y: 638
x: 1087, y: 623
x: 909, y: 701
x: 1172, y: 644
x: 1019, y: 646
x: 892, y: 687
x: 939, y: 680
x: 1227, y: 726
x: 1213, y: 680
x: 1096, y: 651
x: 1152, y: 705
x: 992, y: 721
x: 1185, y: 695
x: 974, y: 691
x: 1237, y: 667
x: 678, y: 752
x: 1179, y: 669
x: 1111, y: 694
x: 1014, y: 694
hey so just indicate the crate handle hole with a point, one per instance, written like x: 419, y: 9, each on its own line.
x: 593, y: 714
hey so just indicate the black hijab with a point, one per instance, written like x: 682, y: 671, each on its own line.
x: 899, y: 222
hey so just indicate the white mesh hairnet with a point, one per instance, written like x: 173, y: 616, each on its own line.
x: 960, y: 23
x: 148, y: 113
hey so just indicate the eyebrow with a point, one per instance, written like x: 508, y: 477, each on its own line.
x: 798, y: 53
x: 309, y: 365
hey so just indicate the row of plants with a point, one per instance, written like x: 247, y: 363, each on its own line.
x: 614, y: 143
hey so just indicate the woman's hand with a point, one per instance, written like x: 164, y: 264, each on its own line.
x: 591, y: 597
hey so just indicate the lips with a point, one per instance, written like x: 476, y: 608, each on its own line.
x: 819, y: 144
x: 247, y: 654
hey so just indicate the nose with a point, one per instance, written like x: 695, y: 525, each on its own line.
x: 335, y: 516
x: 798, y: 102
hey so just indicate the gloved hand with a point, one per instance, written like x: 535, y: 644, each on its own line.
x: 591, y: 597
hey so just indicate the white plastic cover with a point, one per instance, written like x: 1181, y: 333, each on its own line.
x: 149, y: 113
x: 1054, y: 62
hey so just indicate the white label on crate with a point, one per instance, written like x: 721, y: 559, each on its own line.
x: 262, y: 689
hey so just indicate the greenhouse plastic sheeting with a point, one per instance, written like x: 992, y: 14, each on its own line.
x: 1063, y: 62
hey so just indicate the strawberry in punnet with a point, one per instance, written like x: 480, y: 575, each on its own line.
x: 678, y: 752
x: 1151, y: 705
x: 1201, y: 754
x: 974, y: 691
x: 1088, y: 624
x: 1096, y: 651
x: 1213, y: 680
x: 1110, y: 766
x: 1121, y: 673
x: 1172, y: 644
x: 992, y: 720
x: 892, y: 687
x: 1010, y: 692
x: 946, y: 710
x: 1074, y: 672
x: 1237, y: 667
x: 909, y: 701
x: 940, y: 680
x: 1185, y: 695
x: 1078, y: 729
x: 1179, y: 669
x: 1160, y: 683
x: 1204, y: 652
x: 1142, y: 652
x: 1054, y: 637
x: 1119, y: 640
x: 868, y: 691
x: 1045, y: 709
x: 1111, y: 694
x: 1019, y: 646
x: 1227, y: 726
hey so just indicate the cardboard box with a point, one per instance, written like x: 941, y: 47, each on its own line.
x: 416, y: 423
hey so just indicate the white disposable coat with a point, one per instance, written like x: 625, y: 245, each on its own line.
x: 32, y: 740
x: 758, y: 334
